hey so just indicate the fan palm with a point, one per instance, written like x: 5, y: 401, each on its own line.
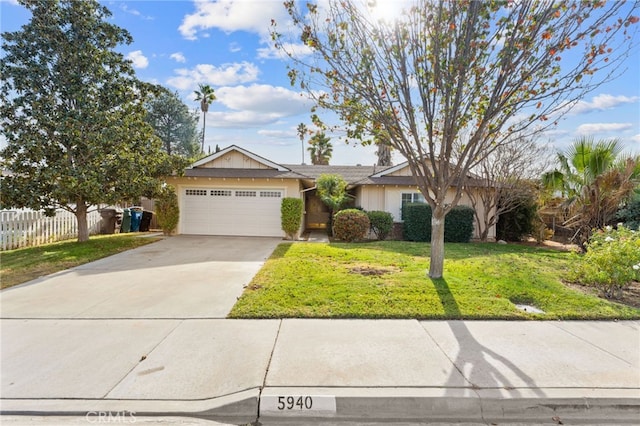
x: 206, y: 96
x: 594, y: 179
x: 320, y: 149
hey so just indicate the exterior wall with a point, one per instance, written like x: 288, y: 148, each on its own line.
x: 291, y: 187
x: 389, y: 198
x: 234, y: 160
x: 371, y: 197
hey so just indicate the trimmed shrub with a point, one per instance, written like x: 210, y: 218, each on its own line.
x: 519, y: 222
x: 350, y: 225
x: 291, y: 216
x: 612, y: 261
x: 458, y: 224
x: 167, y: 210
x: 381, y: 223
x: 417, y: 221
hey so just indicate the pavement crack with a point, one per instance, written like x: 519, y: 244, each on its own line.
x: 592, y: 344
x: 144, y: 357
x: 266, y: 373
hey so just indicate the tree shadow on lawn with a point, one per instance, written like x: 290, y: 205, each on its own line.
x: 481, y: 366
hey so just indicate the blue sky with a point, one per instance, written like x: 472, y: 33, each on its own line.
x: 226, y: 44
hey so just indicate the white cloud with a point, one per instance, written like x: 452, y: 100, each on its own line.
x: 601, y: 103
x: 636, y: 138
x: 277, y: 134
x: 232, y: 15
x: 257, y: 106
x: 241, y: 119
x: 178, y: 57
x: 234, y: 47
x: 264, y: 99
x: 591, y: 128
x: 134, y: 12
x: 225, y: 74
x: 138, y: 59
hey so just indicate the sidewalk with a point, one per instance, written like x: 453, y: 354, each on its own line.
x: 324, y: 371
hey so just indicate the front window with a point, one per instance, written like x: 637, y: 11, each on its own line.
x: 411, y: 197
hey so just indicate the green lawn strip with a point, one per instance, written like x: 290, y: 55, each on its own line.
x: 22, y: 265
x: 482, y: 281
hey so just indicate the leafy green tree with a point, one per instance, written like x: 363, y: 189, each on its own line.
x: 448, y: 81
x: 320, y: 149
x: 206, y: 95
x: 73, y: 113
x: 332, y: 190
x: 174, y: 124
x: 594, y: 179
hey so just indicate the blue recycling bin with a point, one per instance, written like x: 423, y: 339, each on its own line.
x: 136, y: 218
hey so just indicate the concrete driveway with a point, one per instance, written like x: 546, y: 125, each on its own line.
x: 178, y: 277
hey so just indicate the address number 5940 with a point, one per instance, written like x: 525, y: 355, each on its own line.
x: 295, y: 403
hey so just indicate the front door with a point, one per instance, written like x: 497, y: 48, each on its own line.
x: 317, y: 216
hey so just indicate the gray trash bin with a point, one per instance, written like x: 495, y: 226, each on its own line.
x: 111, y: 218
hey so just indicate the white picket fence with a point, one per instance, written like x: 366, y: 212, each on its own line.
x: 25, y: 228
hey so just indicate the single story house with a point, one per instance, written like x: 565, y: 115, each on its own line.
x: 236, y: 192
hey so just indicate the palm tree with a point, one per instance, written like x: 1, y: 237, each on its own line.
x: 593, y: 179
x: 320, y: 149
x: 205, y: 95
x: 302, y: 131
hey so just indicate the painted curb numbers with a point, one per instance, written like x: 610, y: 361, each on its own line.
x: 311, y: 405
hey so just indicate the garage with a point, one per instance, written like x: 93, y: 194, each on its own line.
x: 231, y: 211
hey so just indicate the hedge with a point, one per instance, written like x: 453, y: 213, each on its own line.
x: 291, y: 216
x: 458, y: 224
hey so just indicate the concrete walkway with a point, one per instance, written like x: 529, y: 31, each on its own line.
x: 295, y: 371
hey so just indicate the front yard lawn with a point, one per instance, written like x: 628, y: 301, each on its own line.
x: 388, y: 280
x: 26, y: 264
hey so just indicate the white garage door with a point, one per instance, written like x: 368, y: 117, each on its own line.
x: 250, y: 212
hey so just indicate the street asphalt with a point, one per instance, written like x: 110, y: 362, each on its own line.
x: 142, y: 337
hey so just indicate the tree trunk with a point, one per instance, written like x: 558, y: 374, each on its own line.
x: 81, y: 217
x: 204, y: 124
x: 436, y: 265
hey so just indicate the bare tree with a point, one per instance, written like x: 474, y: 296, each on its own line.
x: 443, y: 69
x: 504, y: 178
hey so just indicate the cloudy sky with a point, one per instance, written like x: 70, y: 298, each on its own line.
x: 226, y: 44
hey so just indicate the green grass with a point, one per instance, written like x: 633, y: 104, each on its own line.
x: 21, y: 265
x: 482, y: 281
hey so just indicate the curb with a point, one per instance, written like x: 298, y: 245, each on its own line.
x: 307, y: 406
x: 238, y: 408
x: 452, y: 405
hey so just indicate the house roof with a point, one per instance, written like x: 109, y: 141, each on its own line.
x: 249, y: 154
x: 354, y: 175
x: 351, y: 174
x: 241, y: 173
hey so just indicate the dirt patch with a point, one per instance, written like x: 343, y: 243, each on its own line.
x: 630, y: 294
x: 369, y: 271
